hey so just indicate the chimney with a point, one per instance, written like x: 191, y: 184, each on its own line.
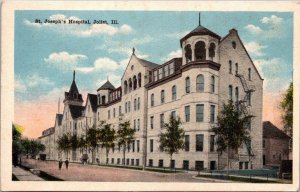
x: 233, y: 30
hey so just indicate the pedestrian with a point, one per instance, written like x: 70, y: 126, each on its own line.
x: 60, y: 164
x: 67, y: 163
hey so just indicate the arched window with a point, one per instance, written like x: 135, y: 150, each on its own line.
x: 125, y: 87
x: 134, y: 82
x: 212, y: 84
x: 200, y: 52
x: 230, y: 92
x: 140, y: 79
x: 187, y: 85
x: 200, y: 83
x: 212, y: 50
x: 188, y: 53
x: 230, y: 67
x: 236, y: 94
x: 233, y: 44
x: 249, y: 74
x: 152, y: 100
x: 236, y: 68
x: 174, y: 93
x: 130, y: 85
x: 162, y: 96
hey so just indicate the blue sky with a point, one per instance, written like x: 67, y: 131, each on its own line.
x: 46, y: 54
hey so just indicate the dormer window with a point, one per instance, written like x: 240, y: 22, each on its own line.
x: 171, y: 68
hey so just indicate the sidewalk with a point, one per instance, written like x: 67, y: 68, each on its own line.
x: 23, y: 175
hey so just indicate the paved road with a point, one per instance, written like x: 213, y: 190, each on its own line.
x: 79, y: 172
x: 23, y: 175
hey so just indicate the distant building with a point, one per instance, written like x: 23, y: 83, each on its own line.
x: 211, y: 71
x: 275, y: 145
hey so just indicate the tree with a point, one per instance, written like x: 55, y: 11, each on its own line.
x: 92, y: 140
x: 171, y: 140
x: 26, y: 146
x: 81, y: 143
x: 125, y: 136
x: 74, y: 142
x: 16, y: 146
x: 286, y: 106
x: 35, y: 147
x: 107, y: 137
x: 230, y: 130
x: 64, y: 144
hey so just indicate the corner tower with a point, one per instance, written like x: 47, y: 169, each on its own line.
x: 73, y: 97
x: 200, y: 44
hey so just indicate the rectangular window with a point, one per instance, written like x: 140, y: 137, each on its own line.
x: 151, y: 122
x: 127, y: 161
x: 166, y: 71
x: 134, y: 105
x: 138, y: 104
x: 173, y: 114
x: 132, y: 162
x: 246, y: 165
x: 162, y: 96
x: 187, y: 113
x: 248, y: 98
x: 160, y: 71
x: 125, y: 107
x: 162, y: 117
x: 212, y: 143
x: 118, y: 161
x: 134, y: 125
x: 112, y: 160
x: 240, y: 165
x: 151, y: 145
x: 114, y: 112
x: 185, y: 165
x: 120, y: 110
x: 199, y: 165
x: 108, y: 114
x: 128, y: 106
x: 212, y: 113
x: 187, y: 143
x: 137, y: 162
x: 138, y: 146
x: 155, y: 75
x: 173, y: 164
x: 230, y: 66
x: 171, y: 68
x: 236, y: 68
x: 150, y: 162
x: 160, y: 163
x: 138, y: 124
x: 199, y: 112
x: 199, y: 142
x: 133, y: 146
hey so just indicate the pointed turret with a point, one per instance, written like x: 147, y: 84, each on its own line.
x: 73, y: 96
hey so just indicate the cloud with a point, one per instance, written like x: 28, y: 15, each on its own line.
x: 271, y: 27
x: 64, y: 60
x: 255, y: 48
x: 62, y: 26
x: 20, y: 86
x: 103, y: 64
x: 173, y: 54
x: 254, y: 29
x: 31, y: 81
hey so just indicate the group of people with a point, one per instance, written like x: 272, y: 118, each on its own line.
x: 60, y: 163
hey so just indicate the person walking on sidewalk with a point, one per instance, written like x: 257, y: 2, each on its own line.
x: 60, y: 164
x: 67, y: 163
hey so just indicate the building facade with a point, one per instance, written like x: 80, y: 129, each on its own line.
x: 211, y: 71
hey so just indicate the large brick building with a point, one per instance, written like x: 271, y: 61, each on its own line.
x: 211, y: 71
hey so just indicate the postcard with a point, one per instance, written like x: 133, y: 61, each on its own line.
x: 150, y: 96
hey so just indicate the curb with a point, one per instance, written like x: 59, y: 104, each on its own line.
x: 215, y: 180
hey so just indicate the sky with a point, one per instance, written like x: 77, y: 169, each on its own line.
x: 46, y: 54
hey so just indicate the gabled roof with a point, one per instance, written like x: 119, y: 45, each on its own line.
x: 271, y: 131
x: 106, y: 85
x: 200, y: 30
x: 59, y: 118
x: 146, y: 63
x: 76, y: 111
x: 93, y: 100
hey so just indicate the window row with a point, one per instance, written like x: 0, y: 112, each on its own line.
x: 198, y: 147
x: 249, y: 76
x: 132, y: 83
x: 199, y: 165
x: 132, y: 162
x: 247, y: 98
x: 199, y: 51
x: 163, y: 72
